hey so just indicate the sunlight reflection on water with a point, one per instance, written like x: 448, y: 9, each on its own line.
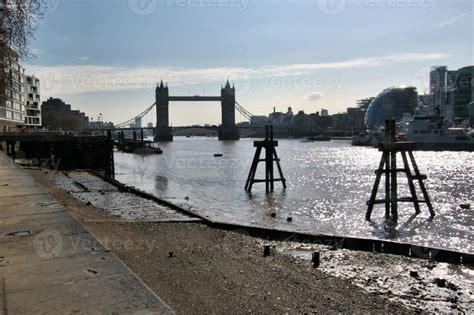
x: 328, y: 186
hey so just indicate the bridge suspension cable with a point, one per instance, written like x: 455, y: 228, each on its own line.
x: 132, y: 120
x: 243, y: 111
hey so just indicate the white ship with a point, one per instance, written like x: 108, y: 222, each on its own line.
x: 433, y: 133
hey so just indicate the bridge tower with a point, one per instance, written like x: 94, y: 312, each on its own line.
x: 228, y: 130
x: 163, y: 130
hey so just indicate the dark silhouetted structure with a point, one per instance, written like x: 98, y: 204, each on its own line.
x: 163, y: 130
x: 392, y: 103
x: 57, y: 115
x: 270, y: 155
x: 228, y: 129
x: 388, y: 166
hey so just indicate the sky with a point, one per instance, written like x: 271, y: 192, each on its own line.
x: 106, y: 56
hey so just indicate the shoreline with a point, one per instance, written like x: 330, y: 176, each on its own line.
x: 373, y: 245
x: 195, y: 246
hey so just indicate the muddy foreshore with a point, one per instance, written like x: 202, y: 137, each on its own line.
x: 199, y: 269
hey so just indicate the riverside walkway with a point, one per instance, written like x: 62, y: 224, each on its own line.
x: 50, y: 264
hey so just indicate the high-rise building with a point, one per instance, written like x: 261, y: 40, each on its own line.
x: 438, y: 87
x: 452, y: 90
x: 460, y: 91
x: 12, y: 94
x: 324, y: 112
x: 32, y: 96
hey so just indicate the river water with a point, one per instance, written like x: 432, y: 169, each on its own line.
x: 328, y: 186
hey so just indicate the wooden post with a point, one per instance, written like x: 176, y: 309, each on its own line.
x: 373, y: 195
x: 387, y: 184
x: 109, y: 168
x: 422, y: 185
x: 410, y: 182
x: 269, y: 145
x: 267, y: 160
x: 388, y: 166
x: 315, y: 258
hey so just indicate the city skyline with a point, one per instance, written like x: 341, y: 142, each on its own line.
x: 108, y: 60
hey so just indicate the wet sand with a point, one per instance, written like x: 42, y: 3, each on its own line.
x: 196, y: 269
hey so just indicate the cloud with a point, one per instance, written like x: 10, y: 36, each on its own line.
x: 313, y: 96
x: 84, y: 58
x: 78, y: 79
x: 451, y: 21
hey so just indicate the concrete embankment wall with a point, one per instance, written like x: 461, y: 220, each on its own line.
x: 352, y: 243
x: 50, y: 264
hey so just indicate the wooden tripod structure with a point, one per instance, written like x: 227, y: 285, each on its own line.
x: 270, y: 156
x: 388, y: 167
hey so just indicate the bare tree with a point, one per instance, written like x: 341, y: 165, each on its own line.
x: 18, y: 21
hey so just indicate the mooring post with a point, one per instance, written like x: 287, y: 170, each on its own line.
x: 393, y: 169
x: 270, y: 158
x: 315, y: 258
x: 109, y: 168
x: 269, y: 145
x: 267, y: 159
x: 388, y: 166
x: 420, y: 178
x: 266, y: 250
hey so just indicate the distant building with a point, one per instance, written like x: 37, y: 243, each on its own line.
x: 426, y: 100
x: 353, y: 119
x: 438, y: 87
x: 137, y: 123
x: 150, y: 125
x: 12, y: 98
x: 57, y: 115
x: 324, y: 112
x: 32, y: 96
x: 258, y: 120
x: 452, y: 90
x: 393, y: 103
x: 364, y: 103
x: 279, y: 119
x: 100, y: 125
x: 460, y: 91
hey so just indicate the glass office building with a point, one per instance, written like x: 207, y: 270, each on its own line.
x: 391, y: 103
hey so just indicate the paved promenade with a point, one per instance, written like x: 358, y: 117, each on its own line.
x: 49, y: 264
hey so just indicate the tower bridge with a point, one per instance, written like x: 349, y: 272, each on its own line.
x: 228, y: 129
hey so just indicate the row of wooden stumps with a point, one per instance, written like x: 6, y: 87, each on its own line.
x: 270, y: 156
x: 388, y: 167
